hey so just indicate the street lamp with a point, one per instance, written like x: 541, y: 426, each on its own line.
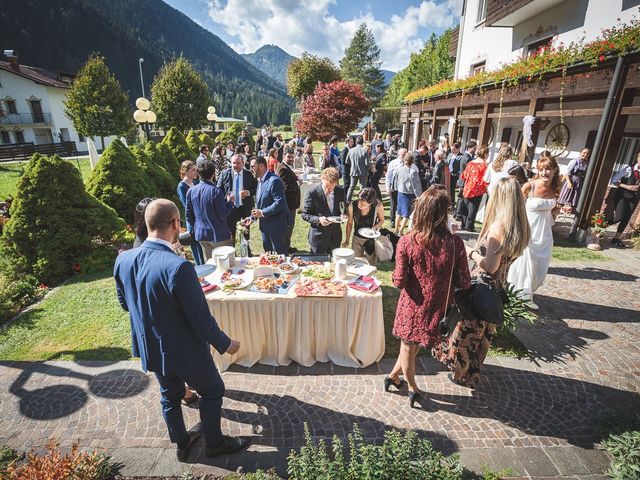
x: 141, y: 80
x: 143, y: 116
x: 212, y: 117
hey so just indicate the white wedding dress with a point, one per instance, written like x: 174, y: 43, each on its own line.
x: 528, y: 271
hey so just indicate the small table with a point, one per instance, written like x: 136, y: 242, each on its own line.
x: 278, y: 329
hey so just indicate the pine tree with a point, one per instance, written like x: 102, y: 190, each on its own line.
x: 96, y: 103
x: 361, y: 64
x: 179, y: 96
x: 177, y: 145
x: 54, y: 221
x: 193, y: 141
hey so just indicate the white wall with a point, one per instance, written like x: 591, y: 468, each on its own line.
x: 568, y: 21
x: 51, y: 99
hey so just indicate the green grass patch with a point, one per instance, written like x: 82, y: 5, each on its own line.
x: 506, y: 344
x: 566, y: 251
x: 11, y: 172
x: 81, y: 320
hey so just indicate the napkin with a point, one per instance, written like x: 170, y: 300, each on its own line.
x: 364, y: 284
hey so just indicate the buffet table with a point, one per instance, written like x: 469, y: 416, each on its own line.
x: 277, y: 329
x: 305, y: 186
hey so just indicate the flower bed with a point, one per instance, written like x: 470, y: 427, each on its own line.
x: 618, y: 40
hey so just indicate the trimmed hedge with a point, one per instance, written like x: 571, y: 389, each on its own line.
x: 193, y: 141
x: 173, y: 165
x: 207, y: 140
x: 166, y: 187
x: 54, y: 222
x: 230, y: 135
x: 151, y: 149
x: 178, y: 146
x: 119, y: 181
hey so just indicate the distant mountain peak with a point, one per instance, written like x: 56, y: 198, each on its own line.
x: 271, y: 60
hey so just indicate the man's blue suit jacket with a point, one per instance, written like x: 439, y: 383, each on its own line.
x: 271, y: 200
x: 171, y: 325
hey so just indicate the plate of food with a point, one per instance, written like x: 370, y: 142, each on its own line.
x: 318, y: 272
x: 338, y: 219
x: 271, y: 258
x: 309, y: 287
x: 288, y: 268
x: 274, y: 284
x: 368, y: 232
x: 236, y: 278
x: 305, y: 262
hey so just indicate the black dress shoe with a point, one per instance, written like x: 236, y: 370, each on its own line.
x: 388, y: 382
x: 183, y: 452
x: 229, y: 445
x: 414, y: 397
x: 616, y: 242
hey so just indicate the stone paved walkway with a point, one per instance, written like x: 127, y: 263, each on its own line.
x: 537, y: 415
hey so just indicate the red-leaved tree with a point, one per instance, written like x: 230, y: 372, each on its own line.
x: 333, y: 109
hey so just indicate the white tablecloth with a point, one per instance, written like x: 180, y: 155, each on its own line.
x: 278, y: 329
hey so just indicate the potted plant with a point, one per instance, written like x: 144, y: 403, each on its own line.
x: 598, y: 229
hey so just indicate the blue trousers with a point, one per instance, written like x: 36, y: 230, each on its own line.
x: 276, y: 242
x: 210, y: 387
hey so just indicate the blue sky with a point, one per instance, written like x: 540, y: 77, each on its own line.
x: 324, y: 27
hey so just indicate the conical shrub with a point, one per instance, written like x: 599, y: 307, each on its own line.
x: 152, y: 150
x: 173, y: 165
x: 54, y: 221
x: 207, y: 140
x: 178, y: 145
x: 165, y: 186
x: 193, y: 141
x: 119, y: 181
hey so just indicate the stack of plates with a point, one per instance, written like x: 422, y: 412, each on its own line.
x: 343, y: 254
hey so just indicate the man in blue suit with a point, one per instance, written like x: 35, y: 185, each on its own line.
x: 271, y: 208
x: 172, y: 328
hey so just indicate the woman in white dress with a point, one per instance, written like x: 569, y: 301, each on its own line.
x: 527, y: 273
x: 499, y: 168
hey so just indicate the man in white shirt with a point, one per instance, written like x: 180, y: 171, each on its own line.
x: 391, y: 184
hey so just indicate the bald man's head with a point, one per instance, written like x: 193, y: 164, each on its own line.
x: 163, y: 218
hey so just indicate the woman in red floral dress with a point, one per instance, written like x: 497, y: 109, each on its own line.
x: 426, y: 259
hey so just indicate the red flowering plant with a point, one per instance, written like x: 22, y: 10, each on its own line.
x: 599, y: 224
x: 617, y: 40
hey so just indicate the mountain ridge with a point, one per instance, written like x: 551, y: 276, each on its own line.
x: 272, y: 61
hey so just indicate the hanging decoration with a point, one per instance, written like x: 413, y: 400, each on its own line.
x: 459, y: 133
x: 562, y: 81
x: 500, y: 106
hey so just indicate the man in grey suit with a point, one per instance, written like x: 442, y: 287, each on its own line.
x: 358, y: 158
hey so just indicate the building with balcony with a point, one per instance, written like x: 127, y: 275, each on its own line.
x: 592, y: 102
x: 32, y: 108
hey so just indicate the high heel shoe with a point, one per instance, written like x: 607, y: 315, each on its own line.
x: 388, y: 381
x: 414, y: 397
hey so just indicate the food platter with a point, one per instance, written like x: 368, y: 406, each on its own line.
x: 288, y: 268
x: 271, y: 258
x: 368, y: 232
x: 235, y: 278
x: 317, y: 272
x: 309, y: 287
x: 274, y: 284
x: 305, y: 262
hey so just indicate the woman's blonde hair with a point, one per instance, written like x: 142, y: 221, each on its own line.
x: 506, y: 205
x: 407, y: 159
x: 308, y: 148
x: 505, y: 153
x: 185, y: 166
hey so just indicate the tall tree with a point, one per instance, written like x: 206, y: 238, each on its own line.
x: 304, y: 74
x: 427, y: 67
x: 96, y: 103
x: 179, y: 96
x: 333, y: 109
x: 361, y: 64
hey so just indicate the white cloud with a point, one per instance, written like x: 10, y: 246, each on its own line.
x: 297, y: 27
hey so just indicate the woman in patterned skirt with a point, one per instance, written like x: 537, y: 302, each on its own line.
x: 430, y: 262
x: 504, y: 236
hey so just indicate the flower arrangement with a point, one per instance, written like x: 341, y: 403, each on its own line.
x: 599, y: 224
x: 617, y: 40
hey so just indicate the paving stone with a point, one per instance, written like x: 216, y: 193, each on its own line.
x: 596, y: 461
x: 566, y: 460
x: 536, y: 462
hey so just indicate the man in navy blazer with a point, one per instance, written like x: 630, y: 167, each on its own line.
x: 271, y: 208
x: 242, y: 184
x: 172, y: 328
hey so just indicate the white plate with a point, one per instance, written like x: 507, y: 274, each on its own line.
x: 246, y: 277
x: 290, y: 272
x: 368, y: 233
x: 337, y: 219
x: 343, y: 253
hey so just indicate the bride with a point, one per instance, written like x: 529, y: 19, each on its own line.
x: 527, y: 273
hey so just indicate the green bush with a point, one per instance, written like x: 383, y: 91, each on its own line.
x: 207, y: 140
x: 173, y: 165
x: 284, y: 128
x: 515, y: 308
x: 178, y: 146
x: 625, y: 449
x: 119, y: 181
x: 154, y: 153
x: 193, y: 141
x: 230, y: 135
x: 18, y: 294
x: 53, y: 221
x: 164, y: 183
x: 8, y: 456
x: 294, y: 118
x: 401, y: 456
